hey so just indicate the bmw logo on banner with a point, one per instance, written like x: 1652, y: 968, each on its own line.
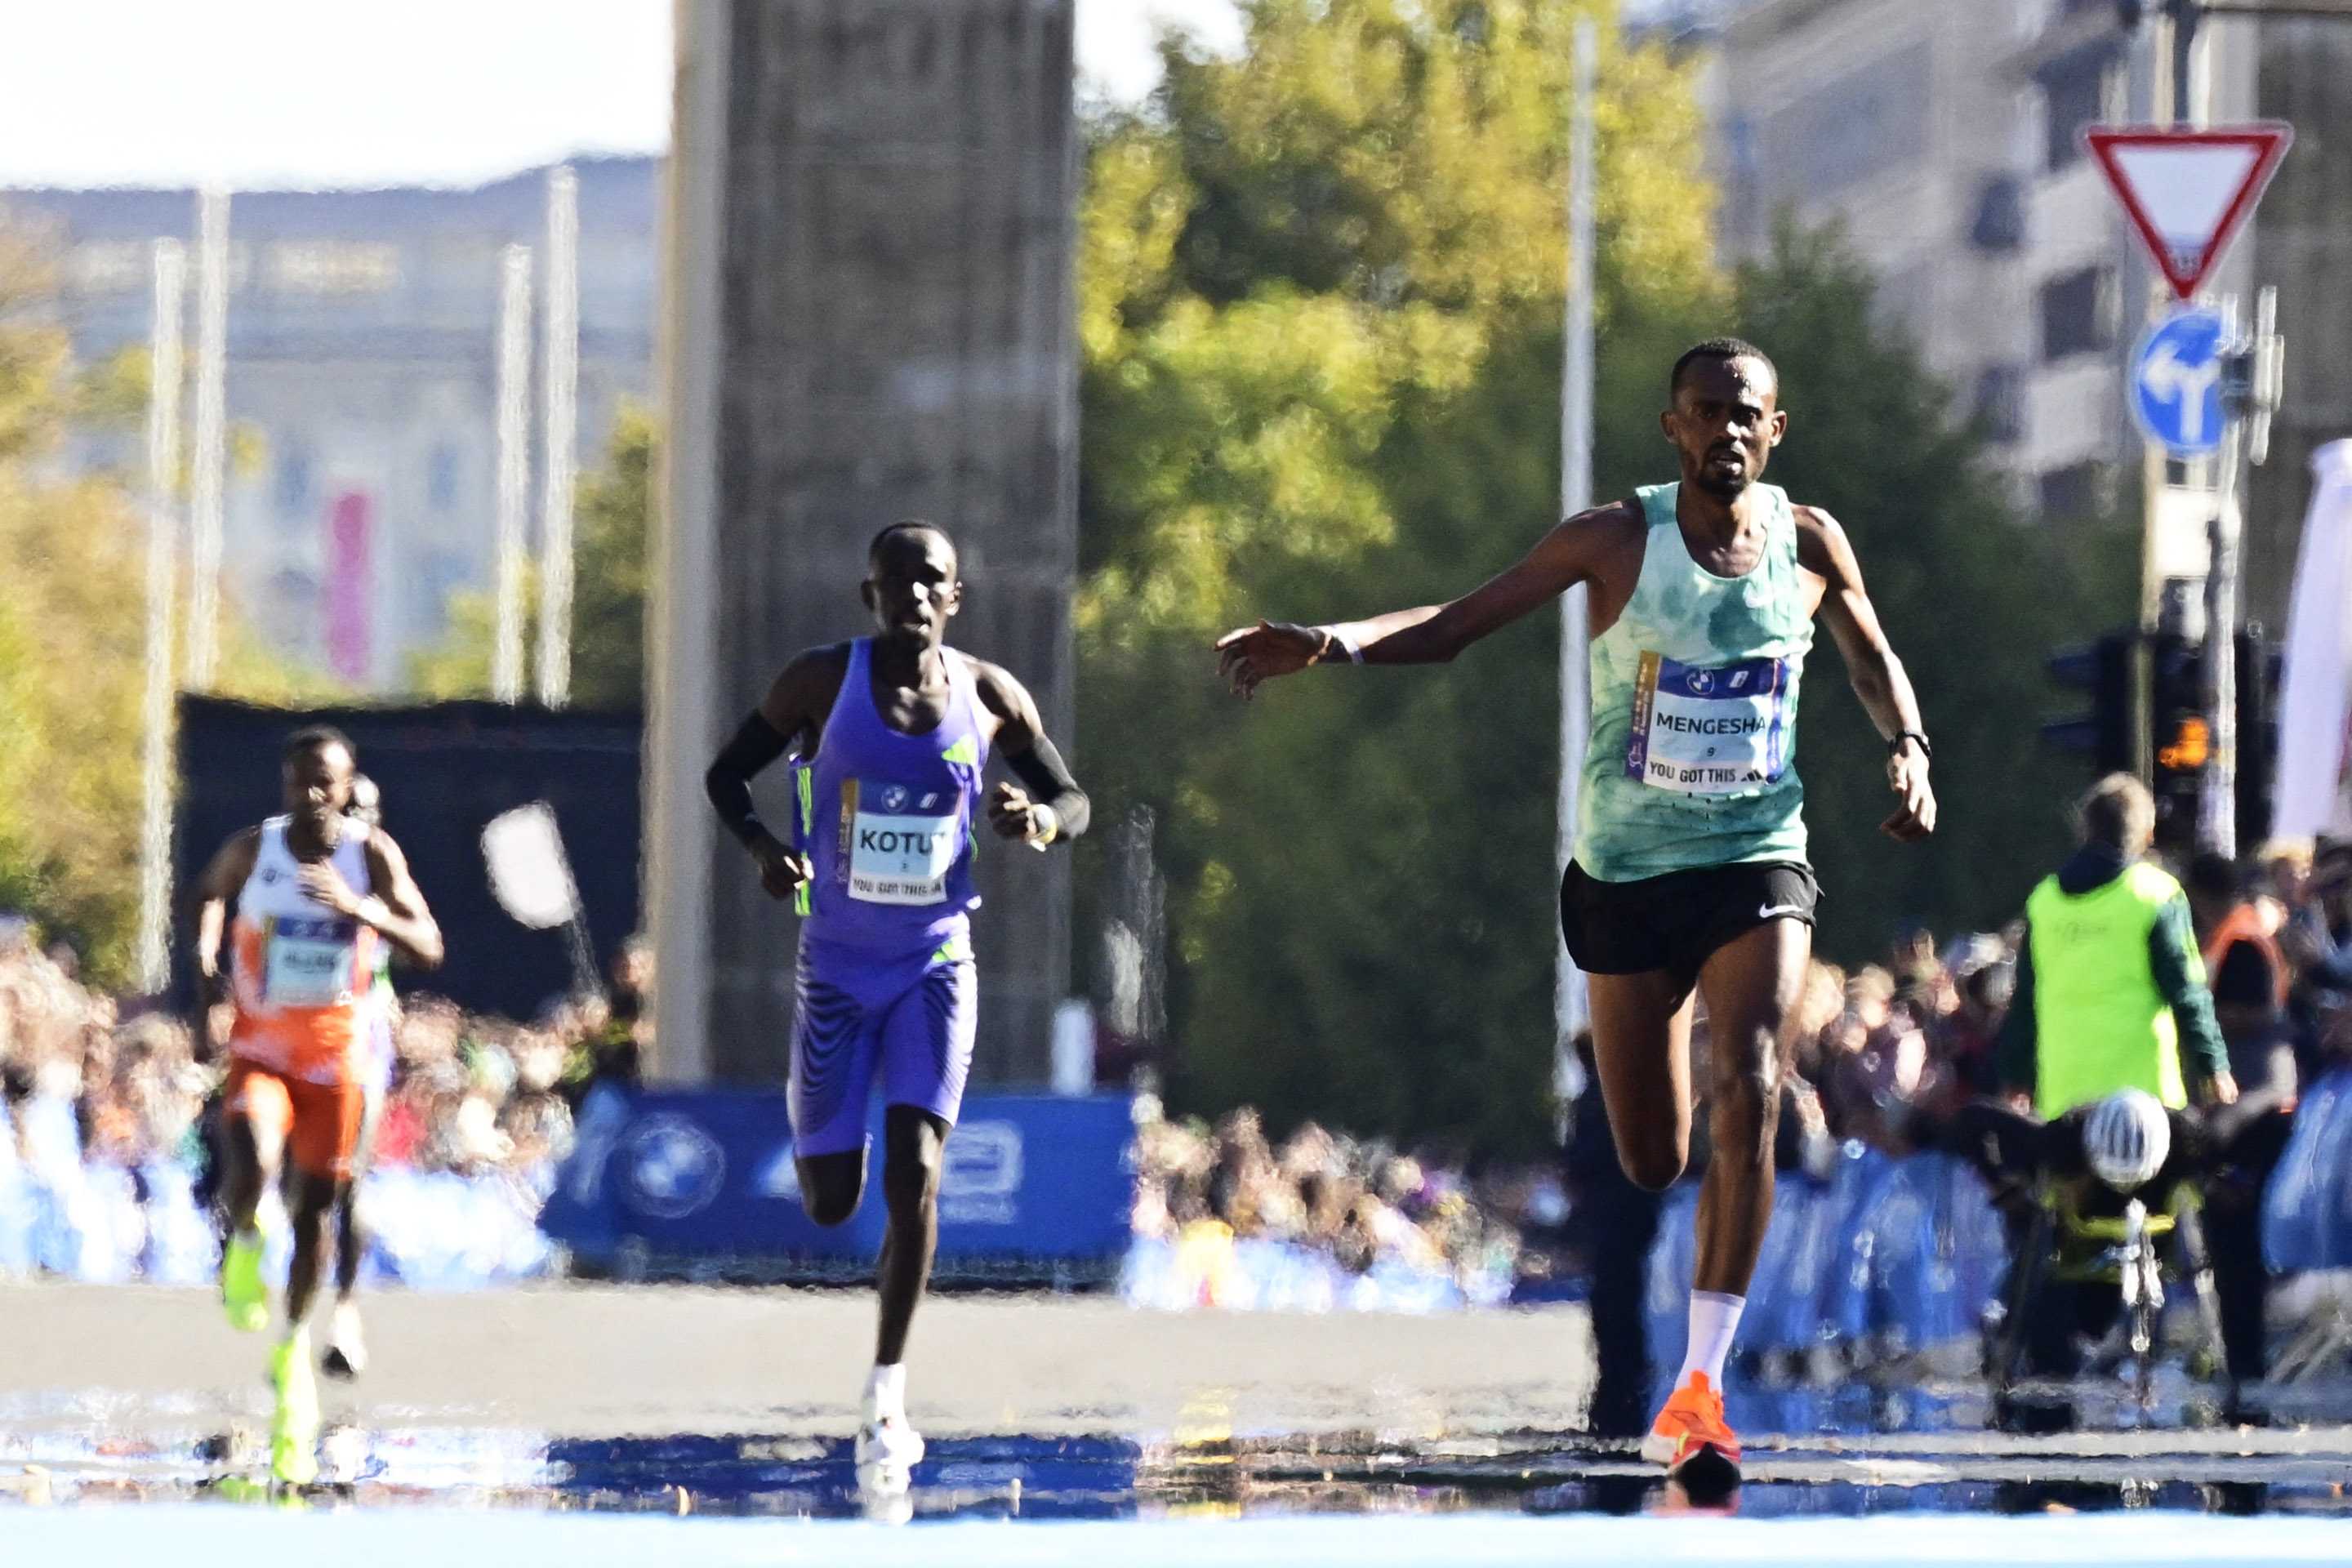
x: 669, y: 1167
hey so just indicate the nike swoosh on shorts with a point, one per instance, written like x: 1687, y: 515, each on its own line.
x: 1774, y: 911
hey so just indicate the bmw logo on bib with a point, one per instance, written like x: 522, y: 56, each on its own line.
x: 670, y: 1167
x: 893, y: 797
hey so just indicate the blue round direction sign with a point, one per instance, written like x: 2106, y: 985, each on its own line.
x: 2176, y: 380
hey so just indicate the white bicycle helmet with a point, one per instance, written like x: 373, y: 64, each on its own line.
x: 2126, y: 1139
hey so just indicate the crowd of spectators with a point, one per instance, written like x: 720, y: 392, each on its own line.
x: 469, y: 1094
x: 1902, y: 1042
x: 1879, y: 1051
x: 1362, y: 1204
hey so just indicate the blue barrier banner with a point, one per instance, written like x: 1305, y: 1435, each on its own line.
x: 2307, y: 1208
x: 701, y: 1181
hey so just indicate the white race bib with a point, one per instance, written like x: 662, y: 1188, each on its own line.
x: 902, y: 843
x: 309, y: 962
x: 1709, y: 730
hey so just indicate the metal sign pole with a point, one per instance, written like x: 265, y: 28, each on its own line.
x: 1568, y: 1000
x: 165, y: 369
x: 513, y: 380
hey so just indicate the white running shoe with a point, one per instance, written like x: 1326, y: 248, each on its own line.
x: 346, y: 1355
x: 888, y: 1447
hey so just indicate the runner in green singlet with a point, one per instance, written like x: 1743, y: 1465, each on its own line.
x: 1690, y: 875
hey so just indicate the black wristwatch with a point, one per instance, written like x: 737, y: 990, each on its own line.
x: 1895, y: 746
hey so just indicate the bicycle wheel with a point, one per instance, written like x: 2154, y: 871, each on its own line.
x: 2143, y: 1292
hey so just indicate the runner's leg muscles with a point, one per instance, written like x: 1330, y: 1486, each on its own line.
x: 831, y: 1185
x: 1640, y: 1043
x: 314, y: 1196
x: 913, y: 1141
x: 248, y: 1156
x: 349, y: 1242
x: 254, y: 1126
x: 1751, y: 984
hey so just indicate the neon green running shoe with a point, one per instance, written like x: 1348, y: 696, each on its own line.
x: 294, y: 1427
x: 244, y: 1295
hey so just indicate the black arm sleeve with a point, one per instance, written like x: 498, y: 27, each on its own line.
x: 1048, y: 777
x: 729, y: 780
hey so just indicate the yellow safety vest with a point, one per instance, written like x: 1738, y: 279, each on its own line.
x: 2100, y: 1022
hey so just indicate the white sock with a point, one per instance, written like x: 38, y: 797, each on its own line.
x: 1713, y: 1318
x: 886, y: 1390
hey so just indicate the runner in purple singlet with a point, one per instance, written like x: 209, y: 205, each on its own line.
x: 891, y: 733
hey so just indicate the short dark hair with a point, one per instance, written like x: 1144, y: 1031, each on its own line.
x: 310, y: 737
x: 905, y: 525
x: 1722, y: 349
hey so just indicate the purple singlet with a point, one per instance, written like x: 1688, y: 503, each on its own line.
x: 885, y: 983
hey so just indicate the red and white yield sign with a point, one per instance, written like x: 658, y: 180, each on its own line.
x: 2189, y: 191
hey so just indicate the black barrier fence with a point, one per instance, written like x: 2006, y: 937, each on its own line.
x: 446, y: 769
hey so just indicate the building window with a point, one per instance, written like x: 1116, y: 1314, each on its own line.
x: 441, y: 478
x: 2073, y: 95
x: 1999, y: 408
x: 2075, y: 491
x: 293, y: 481
x: 1999, y: 224
x: 2078, y: 313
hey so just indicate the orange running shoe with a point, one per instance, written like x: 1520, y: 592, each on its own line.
x: 1690, y: 1426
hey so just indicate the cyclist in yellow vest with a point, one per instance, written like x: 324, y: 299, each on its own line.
x: 2111, y: 994
x: 2111, y: 991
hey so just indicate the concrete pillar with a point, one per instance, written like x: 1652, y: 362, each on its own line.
x: 870, y: 316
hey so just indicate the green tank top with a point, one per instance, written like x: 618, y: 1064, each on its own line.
x: 2100, y: 1020
x: 1691, y: 761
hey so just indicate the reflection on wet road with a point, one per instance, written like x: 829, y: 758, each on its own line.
x: 1063, y: 1478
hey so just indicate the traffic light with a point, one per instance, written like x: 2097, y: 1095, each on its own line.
x: 2180, y: 738
x: 2103, y: 670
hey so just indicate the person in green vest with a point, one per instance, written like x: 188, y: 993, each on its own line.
x: 2111, y: 995
x: 2111, y: 991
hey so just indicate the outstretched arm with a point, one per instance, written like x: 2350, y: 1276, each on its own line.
x: 1431, y: 633
x: 1877, y: 675
x: 1052, y: 807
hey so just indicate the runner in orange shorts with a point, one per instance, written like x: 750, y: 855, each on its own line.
x: 305, y: 898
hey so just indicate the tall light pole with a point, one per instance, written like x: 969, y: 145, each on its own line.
x: 513, y: 384
x: 208, y: 494
x: 560, y: 364
x: 153, y: 956
x: 1569, y: 1000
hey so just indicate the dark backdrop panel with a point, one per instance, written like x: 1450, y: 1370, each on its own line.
x: 445, y: 770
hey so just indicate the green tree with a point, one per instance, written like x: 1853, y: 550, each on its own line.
x: 73, y: 628
x: 71, y: 632
x: 610, y: 513
x: 1320, y: 294
x: 1320, y: 301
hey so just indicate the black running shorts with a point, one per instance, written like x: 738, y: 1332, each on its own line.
x: 1674, y: 922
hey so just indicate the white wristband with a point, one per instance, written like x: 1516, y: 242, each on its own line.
x: 1348, y: 645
